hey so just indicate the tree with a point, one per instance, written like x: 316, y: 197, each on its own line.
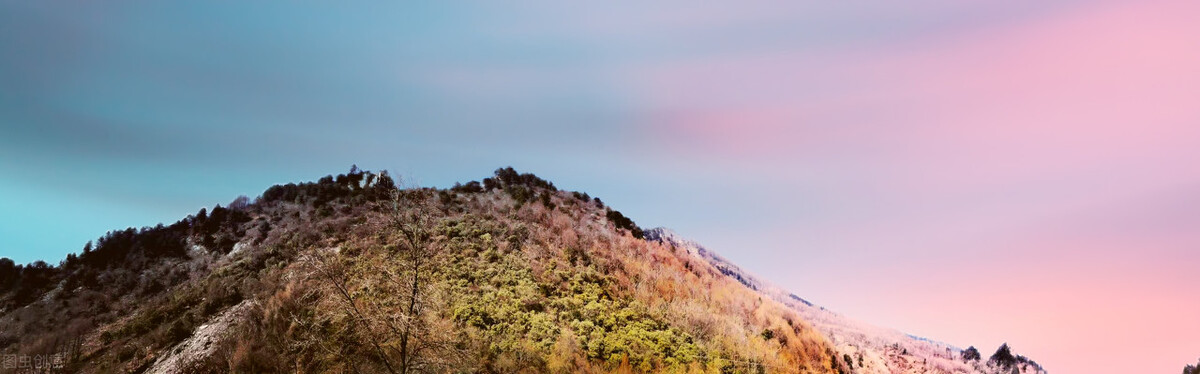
x: 331, y: 271
x: 507, y: 177
x: 1003, y: 356
x: 354, y: 177
x: 240, y: 203
x: 412, y: 216
x: 9, y: 271
x: 470, y: 187
x: 971, y: 354
x: 622, y: 222
x: 399, y: 335
x: 385, y: 182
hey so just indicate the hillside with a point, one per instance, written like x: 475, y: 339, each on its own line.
x: 359, y: 273
x: 863, y: 347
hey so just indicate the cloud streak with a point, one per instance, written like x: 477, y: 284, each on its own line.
x: 976, y: 173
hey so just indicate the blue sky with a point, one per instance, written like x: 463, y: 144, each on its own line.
x: 889, y: 161
x: 141, y: 112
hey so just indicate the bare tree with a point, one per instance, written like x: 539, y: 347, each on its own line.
x: 412, y: 216
x: 332, y: 272
x: 396, y: 324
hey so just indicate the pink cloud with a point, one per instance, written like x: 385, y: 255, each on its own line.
x: 1021, y: 181
x: 1104, y: 77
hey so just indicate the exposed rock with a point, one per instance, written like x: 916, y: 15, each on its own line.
x: 202, y: 343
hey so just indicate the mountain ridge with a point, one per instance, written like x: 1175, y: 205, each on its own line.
x: 360, y: 273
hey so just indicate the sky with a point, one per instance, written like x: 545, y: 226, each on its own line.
x: 973, y: 172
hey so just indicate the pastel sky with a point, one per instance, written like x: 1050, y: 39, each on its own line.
x: 974, y: 172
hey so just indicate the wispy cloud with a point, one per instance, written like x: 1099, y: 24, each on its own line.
x: 1017, y: 171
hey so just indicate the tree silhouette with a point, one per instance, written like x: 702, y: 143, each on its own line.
x: 1192, y: 369
x: 1003, y: 357
x: 970, y: 354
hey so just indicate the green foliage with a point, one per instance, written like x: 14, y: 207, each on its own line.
x: 577, y: 256
x: 515, y: 310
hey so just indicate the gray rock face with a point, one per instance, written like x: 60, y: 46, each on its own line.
x: 202, y: 343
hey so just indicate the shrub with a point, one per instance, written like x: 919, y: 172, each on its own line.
x: 625, y: 223
x: 519, y: 193
x: 177, y: 332
x: 509, y: 177
x: 767, y: 334
x: 470, y: 187
x: 445, y: 197
x: 490, y: 184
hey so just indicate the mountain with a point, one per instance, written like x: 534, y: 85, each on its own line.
x: 356, y: 273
